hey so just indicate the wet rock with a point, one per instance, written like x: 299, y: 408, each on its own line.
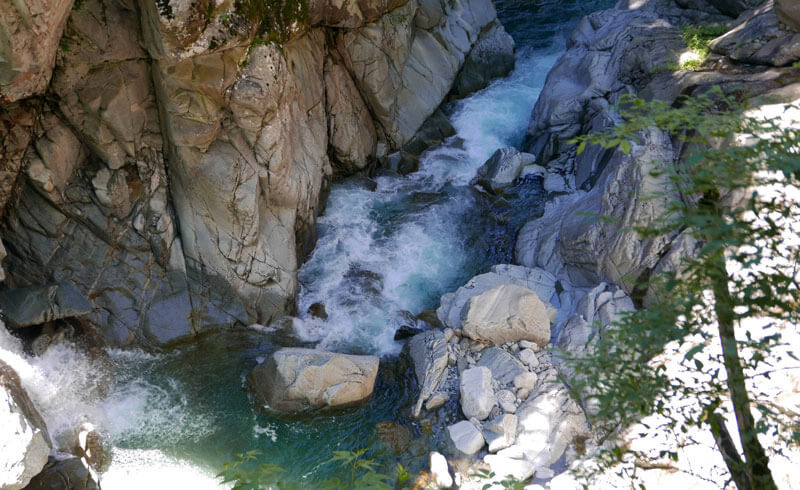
x: 491, y: 57
x: 88, y: 445
x: 757, y: 38
x: 40, y: 304
x: 395, y: 436
x: 501, y: 432
x: 507, y: 313
x: 317, y: 310
x: 24, y: 440
x: 501, y: 169
x: 466, y: 438
x: 294, y: 379
x: 503, y: 366
x: 477, y: 394
x: 438, y: 399
x: 439, y: 471
x: 406, y: 332
x: 428, y: 351
x: 61, y: 474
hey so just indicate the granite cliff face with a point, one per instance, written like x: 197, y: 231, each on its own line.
x: 170, y: 164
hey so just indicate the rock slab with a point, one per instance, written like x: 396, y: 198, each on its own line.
x: 294, y: 379
x: 507, y: 313
x: 24, y: 440
x: 477, y: 394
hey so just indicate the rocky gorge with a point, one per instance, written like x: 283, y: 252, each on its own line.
x: 165, y: 168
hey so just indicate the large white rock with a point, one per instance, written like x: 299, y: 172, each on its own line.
x: 537, y: 280
x: 503, y: 467
x: 501, y: 432
x: 507, y: 313
x: 465, y: 437
x: 477, y: 394
x: 439, y: 471
x: 295, y: 379
x: 24, y: 441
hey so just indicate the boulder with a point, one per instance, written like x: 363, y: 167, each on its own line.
x: 504, y: 367
x: 466, y: 438
x: 294, y: 379
x: 757, y: 38
x: 404, y: 64
x: 501, y: 432
x: 788, y: 12
x: 503, y: 467
x: 507, y: 313
x: 501, y: 169
x: 428, y: 351
x: 477, y: 394
x: 24, y: 440
x: 39, y: 304
x: 351, y: 132
x: 68, y: 473
x: 439, y: 471
x: 491, y: 57
x: 538, y: 280
x: 549, y: 420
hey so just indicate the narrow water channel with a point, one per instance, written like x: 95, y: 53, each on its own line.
x: 386, y: 249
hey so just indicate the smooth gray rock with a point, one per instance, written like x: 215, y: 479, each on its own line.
x: 503, y: 366
x: 39, y: 304
x: 428, y: 351
x: 501, y: 432
x: 491, y: 57
x: 504, y: 467
x: 500, y: 170
x: 294, y: 379
x: 757, y: 38
x: 24, y: 440
x: 466, y: 438
x: 477, y: 394
x: 507, y: 313
x: 507, y: 401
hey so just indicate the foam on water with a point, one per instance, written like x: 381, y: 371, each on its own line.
x: 137, y: 469
x: 399, y: 248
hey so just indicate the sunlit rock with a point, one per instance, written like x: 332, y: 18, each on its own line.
x: 293, y: 379
x: 507, y: 313
x: 24, y: 440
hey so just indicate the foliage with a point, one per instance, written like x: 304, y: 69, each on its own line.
x: 357, y: 472
x: 276, y: 20
x: 509, y: 482
x: 698, y: 38
x: 745, y: 272
x: 243, y: 477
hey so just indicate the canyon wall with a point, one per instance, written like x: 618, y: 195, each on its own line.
x: 169, y: 157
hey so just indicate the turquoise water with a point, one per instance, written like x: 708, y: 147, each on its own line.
x: 174, y: 419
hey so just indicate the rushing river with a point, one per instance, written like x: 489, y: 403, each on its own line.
x: 387, y: 249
